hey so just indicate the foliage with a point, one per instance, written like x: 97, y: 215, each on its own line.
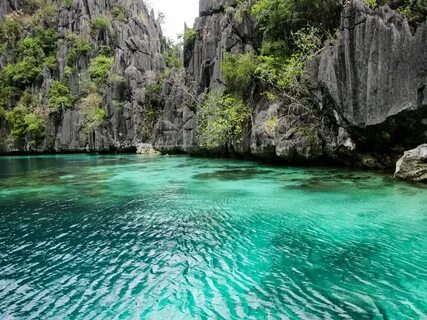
x: 279, y: 18
x: 284, y: 72
x: 23, y: 73
x: 120, y: 13
x: 59, y: 96
x: 99, y: 68
x: 221, y: 118
x: 413, y: 10
x: 77, y: 46
x: 93, y: 115
x: 10, y: 28
x: 33, y: 52
x: 24, y: 121
x: 152, y: 94
x: 68, y: 71
x: 116, y: 78
x: 152, y: 109
x: 86, y: 87
x: 271, y: 124
x: 35, y: 126
x: 240, y: 11
x: 6, y: 93
x: 80, y: 44
x: 173, y: 56
x: 46, y: 13
x: 101, y: 23
x: 30, y: 47
x: 238, y: 70
x: 16, y: 119
x: 309, y: 133
x: 67, y: 3
x: 190, y: 36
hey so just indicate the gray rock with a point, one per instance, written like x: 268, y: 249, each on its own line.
x: 373, y: 79
x: 413, y: 165
x: 146, y: 149
x: 137, y: 45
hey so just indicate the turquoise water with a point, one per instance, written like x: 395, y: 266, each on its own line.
x: 134, y: 237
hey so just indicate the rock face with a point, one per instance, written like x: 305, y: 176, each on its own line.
x: 146, y: 149
x: 369, y: 86
x: 217, y: 32
x: 374, y: 80
x: 135, y: 42
x: 413, y: 165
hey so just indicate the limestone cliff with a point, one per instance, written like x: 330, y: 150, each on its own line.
x: 368, y: 86
x: 373, y: 81
x: 131, y: 36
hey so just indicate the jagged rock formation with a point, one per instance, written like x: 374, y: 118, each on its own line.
x: 374, y: 81
x: 413, y: 165
x: 369, y: 86
x: 217, y: 32
x: 134, y: 40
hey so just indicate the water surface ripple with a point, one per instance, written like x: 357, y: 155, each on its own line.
x: 126, y: 236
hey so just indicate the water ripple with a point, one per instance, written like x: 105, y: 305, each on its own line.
x: 127, y: 238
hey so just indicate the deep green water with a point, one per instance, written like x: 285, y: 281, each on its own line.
x: 126, y: 236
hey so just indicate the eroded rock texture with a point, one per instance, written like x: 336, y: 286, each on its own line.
x: 217, y: 32
x: 137, y: 45
x: 374, y: 81
x: 413, y: 165
x: 369, y: 86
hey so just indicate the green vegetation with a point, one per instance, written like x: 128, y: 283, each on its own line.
x: 173, y: 56
x: 190, y: 36
x: 16, y: 118
x: 270, y: 125
x: 99, y: 68
x: 221, y: 118
x: 29, y: 44
x: 120, y: 13
x: 23, y: 73
x: 24, y: 121
x: 10, y: 29
x: 59, y: 97
x: 152, y: 108
x: 243, y: 10
x: 46, y: 13
x: 278, y: 19
x: 413, y: 10
x: 67, y: 3
x: 93, y: 115
x: 32, y: 53
x: 101, y: 23
x: 35, y: 126
x: 292, y: 32
x: 77, y: 46
x: 238, y: 70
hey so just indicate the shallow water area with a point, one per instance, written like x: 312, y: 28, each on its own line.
x: 156, y: 237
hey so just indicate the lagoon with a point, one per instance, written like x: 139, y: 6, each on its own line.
x: 128, y: 236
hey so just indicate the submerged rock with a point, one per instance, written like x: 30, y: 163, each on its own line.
x: 413, y: 165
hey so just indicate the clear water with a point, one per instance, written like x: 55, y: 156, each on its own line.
x: 126, y: 236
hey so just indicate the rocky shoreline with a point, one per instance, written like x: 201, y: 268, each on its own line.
x: 368, y: 85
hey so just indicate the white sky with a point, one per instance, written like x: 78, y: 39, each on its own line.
x: 176, y: 13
